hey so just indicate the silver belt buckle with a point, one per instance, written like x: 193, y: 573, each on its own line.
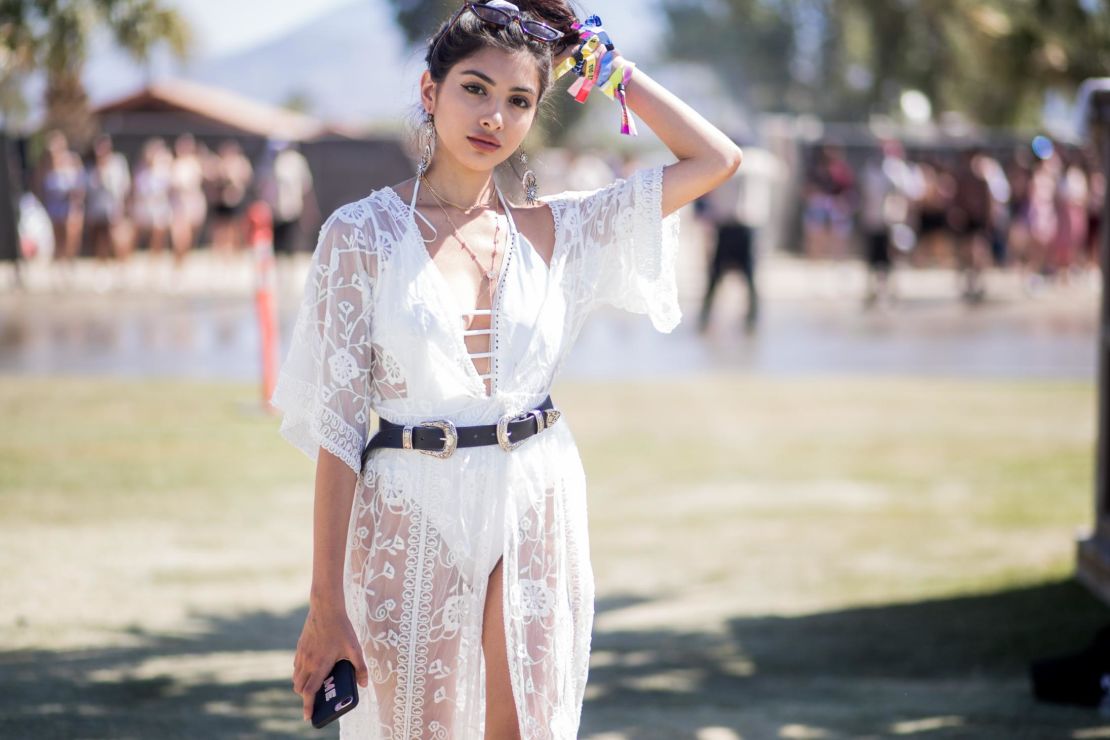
x: 503, y: 433
x: 542, y: 419
x: 450, y: 438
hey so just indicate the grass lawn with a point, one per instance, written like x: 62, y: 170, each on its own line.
x: 800, y: 558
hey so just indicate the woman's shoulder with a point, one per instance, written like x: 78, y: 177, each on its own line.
x: 533, y: 217
x: 577, y: 194
x: 401, y: 190
x: 368, y: 212
x: 370, y: 225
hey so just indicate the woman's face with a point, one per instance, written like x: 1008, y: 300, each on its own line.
x: 484, y: 107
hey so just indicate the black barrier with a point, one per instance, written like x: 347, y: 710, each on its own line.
x: 9, y: 202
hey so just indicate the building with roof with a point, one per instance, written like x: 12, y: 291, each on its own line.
x: 168, y: 108
x: 345, y: 165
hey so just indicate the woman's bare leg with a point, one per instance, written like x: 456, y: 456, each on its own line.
x: 157, y: 240
x: 501, y: 718
x: 59, y: 228
x: 181, y: 239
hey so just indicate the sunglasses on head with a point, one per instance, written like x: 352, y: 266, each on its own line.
x: 501, y: 13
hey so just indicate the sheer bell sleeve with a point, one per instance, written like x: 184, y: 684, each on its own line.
x: 620, y: 250
x: 323, y: 388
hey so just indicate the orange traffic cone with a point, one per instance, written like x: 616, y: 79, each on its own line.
x: 260, y: 233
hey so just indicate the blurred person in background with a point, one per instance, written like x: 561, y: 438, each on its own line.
x: 970, y: 220
x: 1001, y: 193
x: 934, y: 243
x: 736, y: 209
x: 284, y: 182
x: 588, y: 170
x: 232, y: 180
x: 187, y: 201
x: 1019, y: 175
x: 36, y: 233
x: 830, y: 194
x: 1043, y: 218
x: 59, y: 184
x: 888, y: 186
x: 210, y: 185
x: 108, y: 187
x: 150, y: 196
x: 1072, y: 194
x: 1096, y: 181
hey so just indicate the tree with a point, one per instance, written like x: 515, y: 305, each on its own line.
x: 52, y: 36
x: 299, y: 101
x: 847, y: 59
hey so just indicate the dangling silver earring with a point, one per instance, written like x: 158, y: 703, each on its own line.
x: 427, y: 143
x: 528, y: 182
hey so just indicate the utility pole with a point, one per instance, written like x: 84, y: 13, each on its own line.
x: 1093, y: 553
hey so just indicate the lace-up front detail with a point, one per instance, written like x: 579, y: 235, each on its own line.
x: 478, y: 324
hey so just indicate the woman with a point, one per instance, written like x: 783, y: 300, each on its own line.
x: 109, y: 182
x: 830, y: 200
x: 187, y: 201
x: 150, y: 195
x: 60, y: 185
x: 233, y: 179
x: 458, y: 581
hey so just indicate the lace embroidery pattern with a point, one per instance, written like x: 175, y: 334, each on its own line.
x: 619, y: 249
x: 334, y: 374
x: 388, y: 381
x: 417, y: 616
x: 425, y: 533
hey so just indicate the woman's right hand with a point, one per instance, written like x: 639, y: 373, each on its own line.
x: 327, y: 637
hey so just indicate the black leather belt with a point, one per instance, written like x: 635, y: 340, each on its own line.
x: 442, y: 438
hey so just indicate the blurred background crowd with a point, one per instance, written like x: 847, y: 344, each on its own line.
x: 165, y: 200
x: 1036, y: 208
x: 875, y: 133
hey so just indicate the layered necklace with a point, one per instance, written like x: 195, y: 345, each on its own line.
x: 465, y: 209
x: 487, y: 273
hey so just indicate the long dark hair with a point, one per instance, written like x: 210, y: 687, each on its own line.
x: 470, y: 34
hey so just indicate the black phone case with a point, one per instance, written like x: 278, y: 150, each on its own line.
x: 336, y: 696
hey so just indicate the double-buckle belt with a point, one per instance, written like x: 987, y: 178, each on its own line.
x: 441, y: 438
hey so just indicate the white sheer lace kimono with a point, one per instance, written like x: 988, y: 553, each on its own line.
x: 378, y: 331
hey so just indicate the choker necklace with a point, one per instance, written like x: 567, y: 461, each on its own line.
x: 465, y: 209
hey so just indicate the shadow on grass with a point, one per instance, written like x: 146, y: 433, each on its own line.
x: 853, y: 673
x: 954, y: 667
x: 67, y: 694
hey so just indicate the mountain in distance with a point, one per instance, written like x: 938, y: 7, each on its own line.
x: 350, y: 66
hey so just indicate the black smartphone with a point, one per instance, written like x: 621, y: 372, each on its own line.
x: 336, y: 696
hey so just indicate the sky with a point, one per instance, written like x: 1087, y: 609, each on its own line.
x: 224, y: 26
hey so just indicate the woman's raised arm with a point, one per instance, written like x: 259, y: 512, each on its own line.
x: 706, y: 157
